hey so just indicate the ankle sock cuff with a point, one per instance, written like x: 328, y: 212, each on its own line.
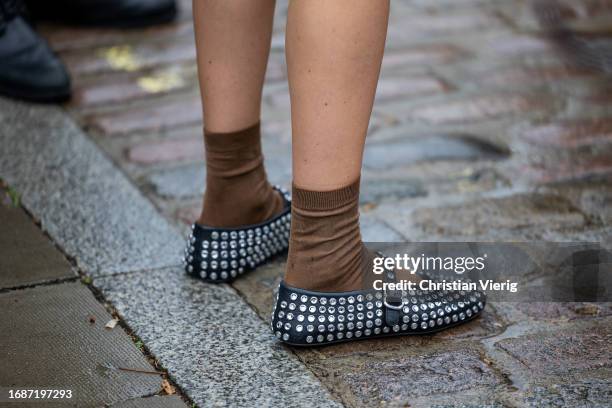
x: 325, y: 200
x: 232, y: 141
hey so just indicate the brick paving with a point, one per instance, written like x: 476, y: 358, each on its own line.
x: 482, y: 129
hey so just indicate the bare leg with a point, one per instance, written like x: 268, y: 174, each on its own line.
x: 334, y: 53
x: 233, y: 43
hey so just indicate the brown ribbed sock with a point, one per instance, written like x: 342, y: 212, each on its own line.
x: 325, y: 248
x: 237, y: 188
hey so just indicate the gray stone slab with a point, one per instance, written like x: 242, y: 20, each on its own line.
x: 406, y: 150
x: 217, y: 350
x: 86, y: 205
x: 48, y: 341
x: 374, y: 230
x: 170, y: 401
x: 374, y: 190
x: 26, y: 255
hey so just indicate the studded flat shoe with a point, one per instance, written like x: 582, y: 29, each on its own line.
x: 306, y: 318
x: 219, y: 255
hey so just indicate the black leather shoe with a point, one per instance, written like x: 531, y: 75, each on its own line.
x: 29, y: 70
x: 219, y: 255
x: 104, y: 13
x: 306, y: 318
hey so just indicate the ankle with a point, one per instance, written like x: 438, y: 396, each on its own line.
x: 237, y: 189
x: 325, y: 248
x: 239, y: 205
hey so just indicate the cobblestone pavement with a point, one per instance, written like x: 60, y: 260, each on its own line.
x: 482, y: 129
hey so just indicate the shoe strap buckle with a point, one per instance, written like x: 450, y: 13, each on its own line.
x: 393, y: 302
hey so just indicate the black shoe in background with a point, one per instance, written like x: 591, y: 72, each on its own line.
x: 104, y: 13
x: 29, y: 70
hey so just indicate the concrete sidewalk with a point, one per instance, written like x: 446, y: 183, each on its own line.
x: 53, y: 331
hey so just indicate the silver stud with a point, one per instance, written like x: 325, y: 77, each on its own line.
x: 286, y: 337
x: 309, y: 339
x: 310, y: 328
